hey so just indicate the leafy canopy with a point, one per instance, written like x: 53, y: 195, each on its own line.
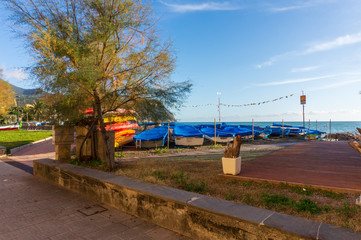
x: 101, y: 53
x: 6, y: 96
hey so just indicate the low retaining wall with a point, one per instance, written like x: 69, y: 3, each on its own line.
x: 193, y: 215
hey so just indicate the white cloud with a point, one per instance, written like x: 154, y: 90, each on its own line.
x: 295, y: 81
x: 207, y: 6
x: 304, y: 69
x: 17, y: 74
x: 283, y: 9
x: 298, y: 5
x: 338, y: 84
x: 323, y: 46
x: 338, y: 42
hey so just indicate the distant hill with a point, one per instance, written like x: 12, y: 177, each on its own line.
x: 26, y: 96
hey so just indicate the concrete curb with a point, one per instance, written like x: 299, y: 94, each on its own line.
x: 191, y: 214
x: 17, y: 149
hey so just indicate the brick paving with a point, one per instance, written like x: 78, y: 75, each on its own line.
x: 31, y: 208
x: 330, y: 164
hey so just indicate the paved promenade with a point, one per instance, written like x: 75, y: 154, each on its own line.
x: 31, y: 208
x: 326, y: 164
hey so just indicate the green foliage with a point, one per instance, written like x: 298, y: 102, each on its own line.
x: 271, y: 200
x: 249, y: 200
x: 233, y: 182
x: 160, y: 175
x: 215, y: 146
x: 99, y: 53
x: 347, y: 210
x: 6, y: 96
x: 247, y: 183
x: 187, y: 185
x: 230, y: 196
x: 90, y: 163
x: 16, y: 138
x: 306, y: 205
x: 161, y: 150
x: 119, y: 155
x: 333, y: 195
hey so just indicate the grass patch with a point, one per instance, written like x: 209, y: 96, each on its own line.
x: 306, y: 205
x: 216, y: 146
x: 161, y: 150
x: 199, y: 173
x: 16, y: 138
x: 271, y: 200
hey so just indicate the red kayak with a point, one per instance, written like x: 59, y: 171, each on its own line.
x: 119, y: 126
x: 9, y: 127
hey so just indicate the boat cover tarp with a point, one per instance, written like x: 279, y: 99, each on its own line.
x: 153, y: 134
x: 186, y: 131
x: 219, y: 133
x: 237, y: 131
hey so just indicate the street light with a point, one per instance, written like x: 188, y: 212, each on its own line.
x: 219, y: 105
x: 17, y: 105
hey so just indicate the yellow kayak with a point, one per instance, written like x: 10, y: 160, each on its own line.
x: 119, y: 119
x: 122, y: 140
x: 124, y: 133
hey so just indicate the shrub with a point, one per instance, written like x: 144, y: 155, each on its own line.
x: 306, y: 205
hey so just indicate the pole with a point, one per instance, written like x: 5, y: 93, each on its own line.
x: 17, y: 105
x: 168, y: 136
x: 253, y: 130
x: 219, y: 106
x: 283, y: 124
x: 330, y: 128
x: 215, y: 133
x: 309, y: 125
x: 303, y: 113
x: 316, y: 125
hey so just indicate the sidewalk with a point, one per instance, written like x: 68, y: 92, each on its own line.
x: 31, y: 208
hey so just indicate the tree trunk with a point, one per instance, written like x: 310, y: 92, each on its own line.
x: 90, y: 133
x: 106, y: 153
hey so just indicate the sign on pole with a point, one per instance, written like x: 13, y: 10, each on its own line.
x: 303, y: 99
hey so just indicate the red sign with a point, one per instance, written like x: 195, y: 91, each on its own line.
x: 303, y: 99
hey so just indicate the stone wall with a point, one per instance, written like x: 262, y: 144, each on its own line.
x: 193, y: 215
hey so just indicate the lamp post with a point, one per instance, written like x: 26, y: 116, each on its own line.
x: 17, y: 105
x: 219, y: 105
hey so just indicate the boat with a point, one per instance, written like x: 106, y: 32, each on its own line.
x: 120, y: 126
x: 259, y: 132
x: 278, y: 130
x: 151, y: 138
x: 187, y: 135
x: 217, y: 135
x: 123, y: 125
x: 124, y: 137
x: 9, y: 127
x: 243, y: 132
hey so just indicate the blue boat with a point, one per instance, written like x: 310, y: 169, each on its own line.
x: 187, y: 135
x: 152, y: 138
x: 294, y: 130
x: 259, y: 132
x: 217, y: 135
x: 243, y: 132
x: 278, y: 131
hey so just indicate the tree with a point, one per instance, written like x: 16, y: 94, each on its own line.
x: 6, y: 96
x: 98, y: 53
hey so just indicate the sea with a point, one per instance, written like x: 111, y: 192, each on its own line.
x: 325, y: 126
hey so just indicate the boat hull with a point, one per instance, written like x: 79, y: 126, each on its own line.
x: 10, y: 127
x: 188, y: 141
x: 220, y: 139
x: 149, y: 143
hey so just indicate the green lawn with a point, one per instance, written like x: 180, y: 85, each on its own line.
x: 15, y: 138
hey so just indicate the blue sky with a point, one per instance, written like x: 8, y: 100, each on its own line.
x: 251, y: 51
